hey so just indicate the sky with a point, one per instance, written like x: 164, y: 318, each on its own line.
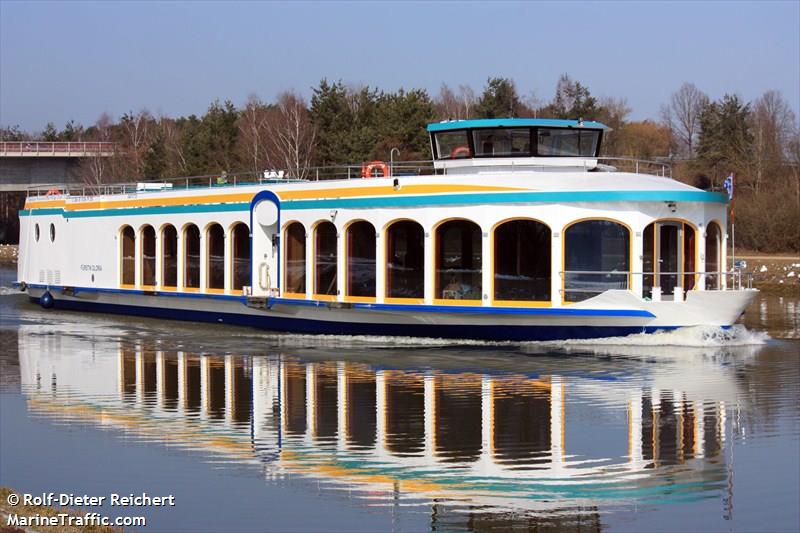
x: 62, y: 61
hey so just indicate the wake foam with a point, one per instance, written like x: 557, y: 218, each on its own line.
x: 5, y: 291
x: 691, y: 336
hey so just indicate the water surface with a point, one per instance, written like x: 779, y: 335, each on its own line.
x: 692, y: 430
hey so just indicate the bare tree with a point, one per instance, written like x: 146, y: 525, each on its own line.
x: 253, y: 132
x: 137, y: 130
x: 291, y: 135
x: 97, y: 169
x: 772, y: 123
x: 468, y: 100
x: 173, y: 141
x: 682, y: 116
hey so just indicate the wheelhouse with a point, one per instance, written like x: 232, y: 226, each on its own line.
x: 510, y: 138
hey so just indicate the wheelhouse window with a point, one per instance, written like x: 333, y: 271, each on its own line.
x: 240, y: 256
x: 295, y: 262
x: 216, y: 257
x: 169, y: 251
x: 458, y: 261
x: 148, y: 261
x: 191, y: 257
x: 713, y: 262
x: 361, y: 271
x: 128, y: 256
x: 522, y: 261
x: 597, y: 258
x: 452, y: 145
x: 566, y: 142
x: 325, y: 259
x: 405, y: 273
x: 502, y: 142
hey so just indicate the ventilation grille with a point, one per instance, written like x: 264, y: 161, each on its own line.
x: 49, y: 277
x: 41, y: 276
x: 57, y: 277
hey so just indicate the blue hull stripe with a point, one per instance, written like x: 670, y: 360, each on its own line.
x: 295, y: 325
x: 411, y: 201
x: 474, y: 310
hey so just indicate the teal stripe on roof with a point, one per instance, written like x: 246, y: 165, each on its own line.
x: 509, y: 198
x: 512, y: 122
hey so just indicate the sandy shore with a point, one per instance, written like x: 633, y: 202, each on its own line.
x: 773, y: 273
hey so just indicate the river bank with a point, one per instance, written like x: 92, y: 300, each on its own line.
x: 772, y: 273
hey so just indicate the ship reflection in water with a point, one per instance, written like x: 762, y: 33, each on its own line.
x: 490, y: 443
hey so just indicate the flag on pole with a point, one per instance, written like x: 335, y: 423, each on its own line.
x: 728, y: 185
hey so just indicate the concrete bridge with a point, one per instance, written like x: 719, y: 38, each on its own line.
x: 26, y: 164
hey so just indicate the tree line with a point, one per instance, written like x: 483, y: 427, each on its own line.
x: 704, y: 140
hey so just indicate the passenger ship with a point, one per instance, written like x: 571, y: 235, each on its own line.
x: 518, y: 233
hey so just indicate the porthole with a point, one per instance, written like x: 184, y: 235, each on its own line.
x: 52, y: 233
x: 36, y: 232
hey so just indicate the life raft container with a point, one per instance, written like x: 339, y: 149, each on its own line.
x: 368, y: 169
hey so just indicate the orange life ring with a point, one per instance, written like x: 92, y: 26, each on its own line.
x: 367, y: 169
x: 460, y: 151
x: 54, y: 192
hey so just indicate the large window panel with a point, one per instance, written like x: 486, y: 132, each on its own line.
x: 240, y: 256
x: 295, y: 259
x: 713, y: 261
x: 169, y: 256
x: 597, y: 258
x: 458, y: 261
x: 148, y: 256
x: 128, y: 256
x: 325, y: 260
x: 405, y: 272
x: 522, y: 261
x: 215, y: 250
x: 191, y: 257
x: 361, y: 248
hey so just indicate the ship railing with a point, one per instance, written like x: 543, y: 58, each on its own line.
x: 586, y: 281
x: 228, y: 179
x: 635, y: 165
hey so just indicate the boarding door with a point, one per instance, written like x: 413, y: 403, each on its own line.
x: 668, y: 258
x: 265, y: 248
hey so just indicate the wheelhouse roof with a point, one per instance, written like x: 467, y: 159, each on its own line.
x: 513, y: 123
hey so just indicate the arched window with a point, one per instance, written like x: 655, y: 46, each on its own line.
x: 295, y: 259
x: 458, y: 261
x: 597, y: 258
x: 191, y: 257
x: 405, y: 258
x: 240, y: 256
x: 325, y: 259
x: 215, y: 263
x: 361, y: 273
x: 169, y: 256
x: 148, y: 260
x: 713, y: 260
x: 522, y: 261
x: 128, y: 256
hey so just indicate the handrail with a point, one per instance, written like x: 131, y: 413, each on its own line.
x: 736, y: 274
x: 55, y: 147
